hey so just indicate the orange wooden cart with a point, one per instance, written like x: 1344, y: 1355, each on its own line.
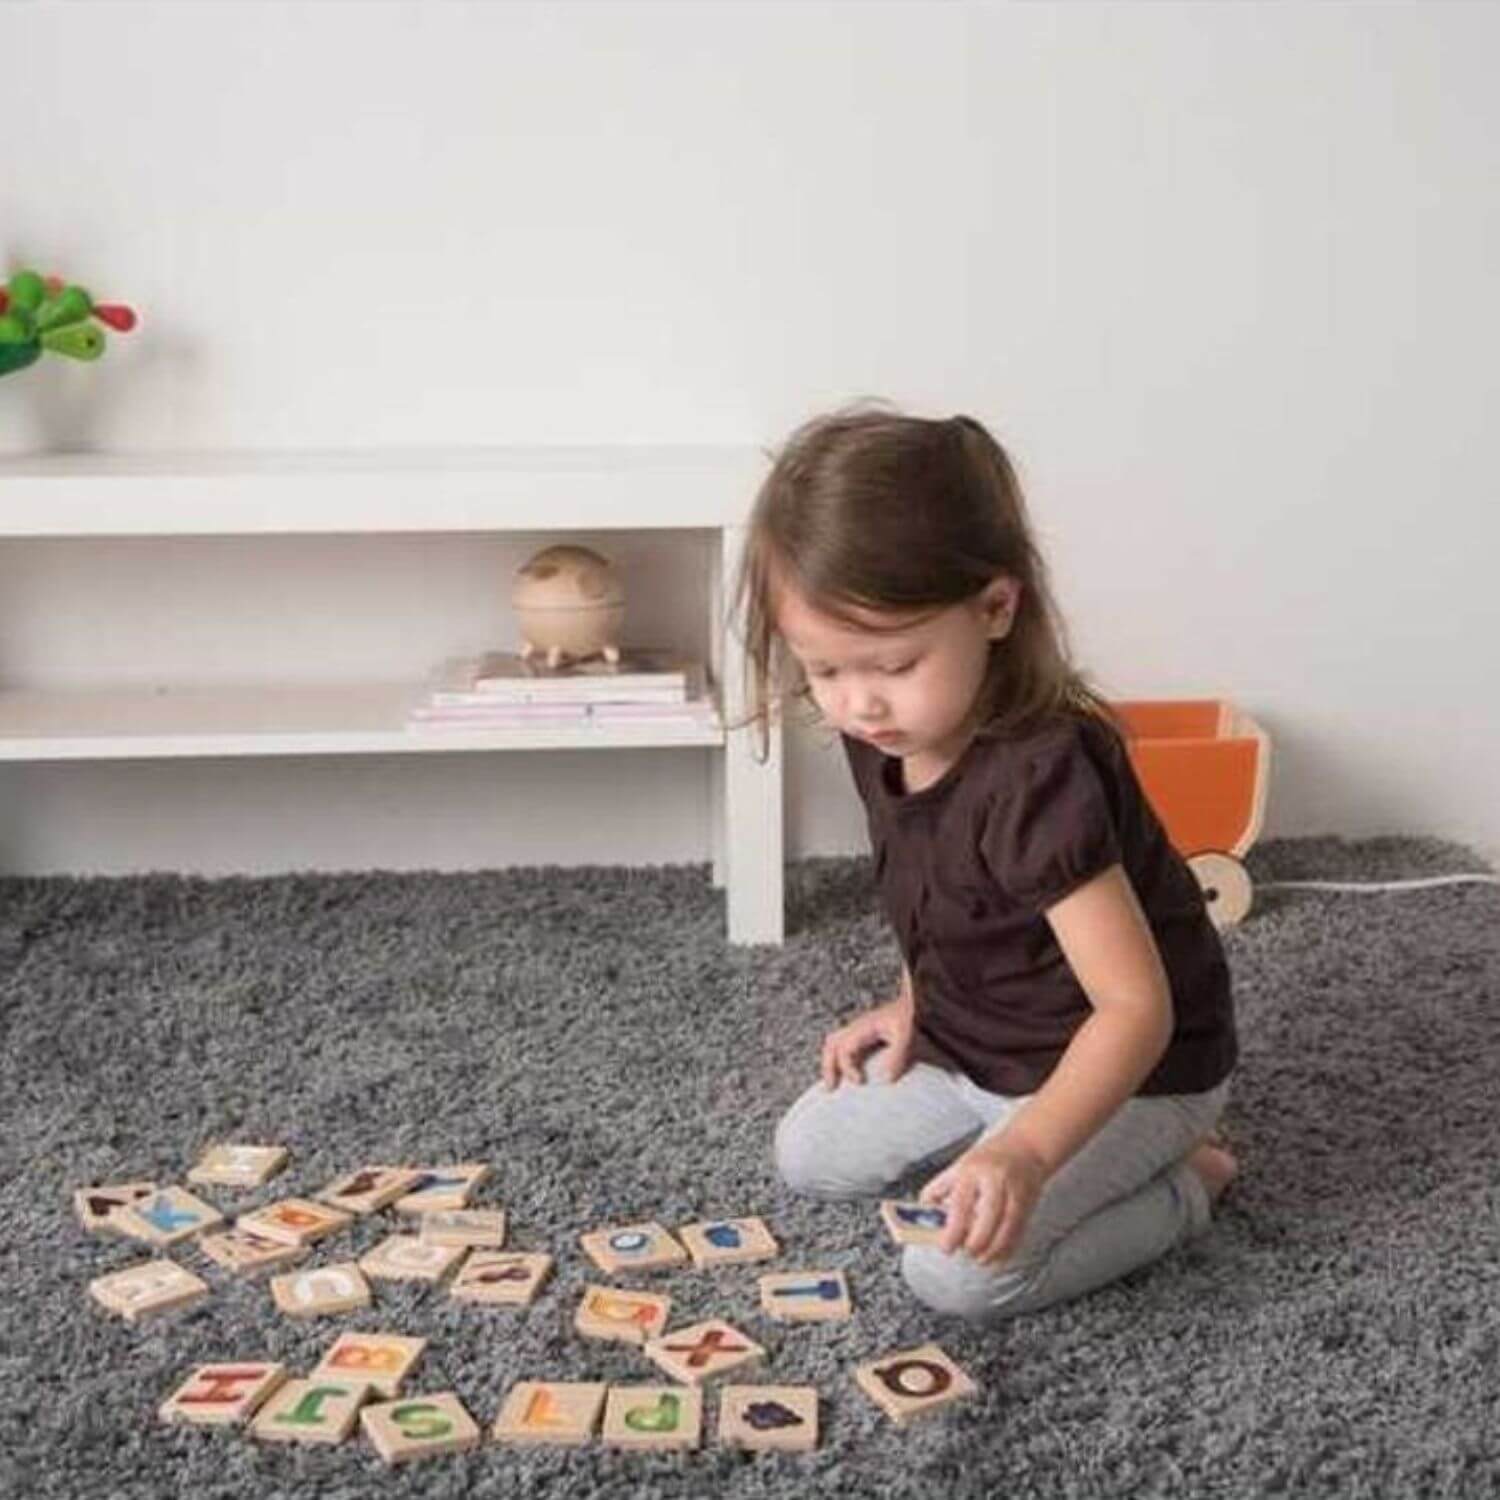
x: 1203, y: 765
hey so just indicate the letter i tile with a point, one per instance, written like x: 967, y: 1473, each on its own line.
x: 653, y: 1416
x: 311, y: 1411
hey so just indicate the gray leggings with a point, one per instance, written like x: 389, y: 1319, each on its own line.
x: 1123, y: 1200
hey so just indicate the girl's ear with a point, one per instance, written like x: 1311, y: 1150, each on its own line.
x: 1000, y: 598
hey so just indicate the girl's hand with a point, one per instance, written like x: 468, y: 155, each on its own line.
x: 889, y: 1025
x: 989, y: 1193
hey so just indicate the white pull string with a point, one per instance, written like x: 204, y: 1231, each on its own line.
x: 1365, y: 886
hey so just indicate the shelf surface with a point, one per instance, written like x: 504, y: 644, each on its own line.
x: 600, y: 487
x: 357, y: 719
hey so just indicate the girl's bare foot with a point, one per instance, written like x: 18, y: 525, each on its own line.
x: 1215, y: 1166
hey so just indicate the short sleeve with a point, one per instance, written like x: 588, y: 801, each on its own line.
x: 1053, y: 829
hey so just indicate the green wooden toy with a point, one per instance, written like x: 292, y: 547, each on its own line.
x: 38, y: 314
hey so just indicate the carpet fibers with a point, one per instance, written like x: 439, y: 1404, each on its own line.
x: 589, y: 1034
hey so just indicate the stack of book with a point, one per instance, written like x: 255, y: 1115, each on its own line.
x: 502, y: 690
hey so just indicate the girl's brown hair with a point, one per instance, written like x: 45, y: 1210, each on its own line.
x: 868, y: 508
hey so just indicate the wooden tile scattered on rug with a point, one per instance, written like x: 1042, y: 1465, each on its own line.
x: 420, y: 1427
x: 550, y: 1411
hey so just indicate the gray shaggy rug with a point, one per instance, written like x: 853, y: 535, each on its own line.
x: 589, y: 1034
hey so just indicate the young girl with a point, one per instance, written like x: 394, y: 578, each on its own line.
x: 1059, y: 1048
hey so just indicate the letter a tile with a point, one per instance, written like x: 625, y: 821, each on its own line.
x: 608, y: 1312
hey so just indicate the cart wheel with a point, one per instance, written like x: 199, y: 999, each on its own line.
x: 1226, y: 887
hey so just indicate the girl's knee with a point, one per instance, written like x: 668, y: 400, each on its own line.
x: 802, y: 1160
x: 795, y: 1160
x: 961, y: 1287
x: 808, y: 1161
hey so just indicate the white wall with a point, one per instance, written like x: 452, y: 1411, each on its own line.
x: 1220, y: 275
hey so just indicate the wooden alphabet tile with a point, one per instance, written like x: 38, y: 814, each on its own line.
x: 550, y: 1411
x: 696, y: 1354
x: 806, y: 1296
x: 223, y: 1395
x: 381, y: 1359
x: 913, y: 1382
x: 420, y: 1427
x: 632, y: 1247
x: 465, y: 1226
x: 321, y: 1290
x: 607, y: 1312
x: 141, y: 1291
x: 295, y: 1221
x: 769, y: 1416
x: 311, y: 1411
x: 241, y: 1252
x: 167, y: 1216
x: 501, y: 1276
x: 230, y: 1165
x: 404, y: 1257
x: 728, y: 1241
x: 98, y: 1207
x: 913, y: 1223
x: 653, y: 1416
x: 442, y: 1187
x: 370, y: 1189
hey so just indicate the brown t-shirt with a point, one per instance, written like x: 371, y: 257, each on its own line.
x: 966, y: 868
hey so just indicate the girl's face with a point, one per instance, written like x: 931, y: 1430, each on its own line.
x: 908, y: 681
